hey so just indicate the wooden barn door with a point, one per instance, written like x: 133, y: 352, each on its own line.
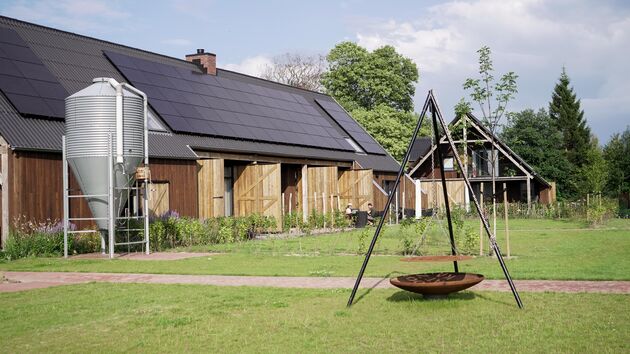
x: 257, y: 190
x: 355, y: 186
x: 158, y: 199
x: 210, y: 184
x: 322, y: 185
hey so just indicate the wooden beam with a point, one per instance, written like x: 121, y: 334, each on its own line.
x: 272, y: 159
x: 305, y: 193
x: 4, y: 181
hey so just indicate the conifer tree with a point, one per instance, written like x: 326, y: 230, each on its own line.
x: 565, y: 111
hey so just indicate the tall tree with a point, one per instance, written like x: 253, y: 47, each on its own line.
x: 565, y: 111
x: 390, y: 127
x: 358, y: 78
x: 297, y: 70
x: 535, y: 137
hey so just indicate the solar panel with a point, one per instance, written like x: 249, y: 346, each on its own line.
x: 351, y: 127
x: 25, y: 81
x: 220, y: 106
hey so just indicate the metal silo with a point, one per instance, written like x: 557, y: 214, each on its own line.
x: 105, y: 141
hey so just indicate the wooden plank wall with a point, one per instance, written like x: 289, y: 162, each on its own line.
x: 323, y: 183
x: 210, y: 184
x: 36, y: 190
x: 456, y: 191
x: 355, y: 186
x: 182, y: 178
x: 257, y: 190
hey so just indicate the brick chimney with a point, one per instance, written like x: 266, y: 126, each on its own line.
x: 206, y: 61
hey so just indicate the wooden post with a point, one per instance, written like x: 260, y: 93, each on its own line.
x: 465, y: 172
x: 315, y: 200
x: 587, y: 205
x: 332, y: 211
x: 507, y: 227
x: 480, y: 221
x: 4, y: 181
x: 305, y: 193
x: 282, y: 213
x: 396, y: 206
x: 324, y: 208
x: 290, y: 203
x: 529, y: 194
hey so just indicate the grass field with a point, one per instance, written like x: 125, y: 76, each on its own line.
x: 541, y: 249
x: 177, y: 318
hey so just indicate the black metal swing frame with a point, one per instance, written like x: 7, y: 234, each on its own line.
x: 430, y: 105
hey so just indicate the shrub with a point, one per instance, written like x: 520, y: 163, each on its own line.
x: 32, y: 239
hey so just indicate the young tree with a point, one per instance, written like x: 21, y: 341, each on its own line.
x: 297, y: 70
x: 358, y: 78
x: 535, y: 137
x: 567, y: 115
x: 593, y: 169
x: 493, y: 98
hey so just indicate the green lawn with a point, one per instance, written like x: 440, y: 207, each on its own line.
x: 541, y: 249
x: 183, y: 318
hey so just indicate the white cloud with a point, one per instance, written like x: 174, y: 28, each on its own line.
x: 180, y: 42
x: 72, y: 15
x: 251, y: 66
x: 531, y: 37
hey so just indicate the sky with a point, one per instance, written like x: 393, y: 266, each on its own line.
x: 533, y: 38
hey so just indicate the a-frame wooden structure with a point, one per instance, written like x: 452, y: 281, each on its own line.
x: 431, y: 106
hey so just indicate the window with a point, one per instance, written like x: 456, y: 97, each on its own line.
x: 153, y: 123
x: 448, y: 164
x: 355, y: 146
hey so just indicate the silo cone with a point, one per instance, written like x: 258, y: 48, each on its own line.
x: 91, y: 133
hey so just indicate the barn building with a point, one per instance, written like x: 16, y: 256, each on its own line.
x: 221, y: 143
x: 522, y: 183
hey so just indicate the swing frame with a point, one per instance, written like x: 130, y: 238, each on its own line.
x: 432, y: 106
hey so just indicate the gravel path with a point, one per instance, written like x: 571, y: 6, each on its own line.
x: 18, y: 281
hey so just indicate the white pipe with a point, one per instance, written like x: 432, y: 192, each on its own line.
x: 146, y: 160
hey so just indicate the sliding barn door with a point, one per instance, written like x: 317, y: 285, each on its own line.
x: 322, y: 189
x: 257, y: 190
x: 355, y: 186
x: 210, y: 184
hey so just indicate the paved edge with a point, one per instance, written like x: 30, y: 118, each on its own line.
x: 34, y: 280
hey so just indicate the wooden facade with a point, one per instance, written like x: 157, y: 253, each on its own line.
x: 35, y: 191
x: 197, y: 188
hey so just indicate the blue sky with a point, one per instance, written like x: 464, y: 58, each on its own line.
x: 534, y: 38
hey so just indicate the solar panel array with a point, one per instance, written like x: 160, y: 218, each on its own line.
x: 192, y: 102
x: 351, y: 126
x: 25, y: 81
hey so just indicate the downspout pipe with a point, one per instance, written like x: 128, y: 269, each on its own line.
x: 119, y: 118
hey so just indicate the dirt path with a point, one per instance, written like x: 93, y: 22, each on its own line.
x: 18, y: 281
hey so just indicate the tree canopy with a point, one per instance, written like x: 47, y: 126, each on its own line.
x: 357, y: 78
x: 535, y: 137
x: 392, y: 128
x: 617, y: 156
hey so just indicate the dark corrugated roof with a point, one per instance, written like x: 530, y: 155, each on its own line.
x: 75, y: 60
